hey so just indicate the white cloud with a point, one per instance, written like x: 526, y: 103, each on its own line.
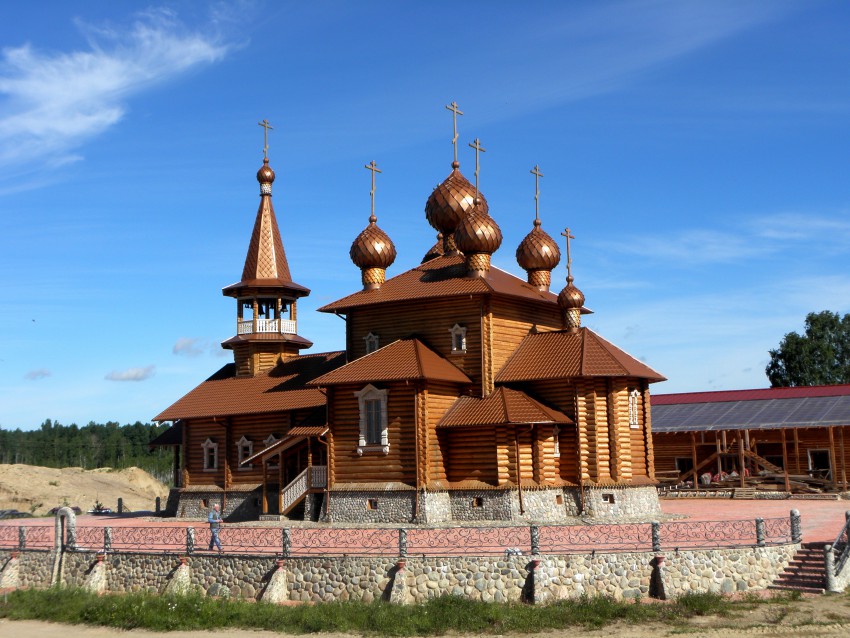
x: 58, y: 101
x: 35, y: 375
x: 131, y: 374
x: 189, y: 347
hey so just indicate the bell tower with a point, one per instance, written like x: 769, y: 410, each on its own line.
x: 266, y: 297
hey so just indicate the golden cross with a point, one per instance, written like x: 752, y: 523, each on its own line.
x: 478, y: 149
x: 537, y: 175
x: 455, y: 112
x: 374, y: 168
x: 567, y: 234
x: 265, y: 124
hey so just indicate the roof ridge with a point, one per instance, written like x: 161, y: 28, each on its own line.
x: 599, y: 342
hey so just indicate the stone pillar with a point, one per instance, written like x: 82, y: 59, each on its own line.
x: 180, y: 582
x: 157, y: 505
x: 398, y: 591
x: 277, y: 591
x: 10, y: 575
x: 190, y: 540
x: 120, y: 505
x: 22, y: 537
x: 96, y: 578
x: 657, y: 586
x: 402, y: 542
x: 286, y: 542
x: 829, y: 569
x: 656, y: 536
x: 107, y: 539
x: 760, y: 532
x: 535, y: 540
x: 796, y: 527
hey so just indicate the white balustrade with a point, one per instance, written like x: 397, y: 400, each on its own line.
x: 272, y: 326
x: 319, y: 476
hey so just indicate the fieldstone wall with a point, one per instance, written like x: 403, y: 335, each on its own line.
x: 435, y: 507
x: 497, y: 579
x: 617, y: 503
x: 34, y: 567
x: 239, y: 504
x: 372, y: 507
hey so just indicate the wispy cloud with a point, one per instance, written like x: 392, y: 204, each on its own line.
x: 189, y: 347
x: 131, y: 374
x: 58, y: 101
x: 35, y: 375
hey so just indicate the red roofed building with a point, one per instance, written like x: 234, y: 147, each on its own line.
x: 463, y: 393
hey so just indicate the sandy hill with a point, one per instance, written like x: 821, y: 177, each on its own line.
x: 30, y: 488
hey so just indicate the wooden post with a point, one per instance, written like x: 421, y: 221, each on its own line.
x: 265, y: 487
x: 843, y: 458
x: 719, y: 459
x: 280, y: 483
x: 797, y: 451
x: 741, y: 459
x: 785, y: 462
x: 832, y: 465
x: 694, y: 459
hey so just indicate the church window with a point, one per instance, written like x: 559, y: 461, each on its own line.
x: 372, y: 342
x: 458, y: 339
x: 245, y: 449
x: 634, y: 421
x: 373, y: 420
x: 556, y: 436
x: 210, y: 454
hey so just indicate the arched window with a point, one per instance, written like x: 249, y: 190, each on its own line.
x: 372, y: 342
x: 245, y: 449
x: 210, y: 448
x: 458, y: 339
x: 634, y: 420
x: 373, y: 420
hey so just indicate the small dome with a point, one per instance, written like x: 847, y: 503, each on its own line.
x: 478, y: 233
x: 436, y: 250
x: 265, y: 175
x: 538, y: 251
x: 570, y: 297
x: 449, y: 203
x: 372, y: 248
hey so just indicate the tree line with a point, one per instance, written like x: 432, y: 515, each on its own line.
x: 819, y: 356
x: 91, y: 446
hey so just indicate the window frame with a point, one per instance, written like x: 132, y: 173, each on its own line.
x: 458, y: 331
x: 248, y: 446
x: 210, y: 445
x: 366, y: 397
x: 373, y: 342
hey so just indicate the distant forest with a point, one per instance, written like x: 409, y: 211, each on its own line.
x: 92, y: 446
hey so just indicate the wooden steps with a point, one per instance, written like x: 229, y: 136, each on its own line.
x: 805, y: 573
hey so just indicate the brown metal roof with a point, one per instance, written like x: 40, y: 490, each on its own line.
x: 503, y: 406
x: 441, y: 277
x: 405, y: 359
x: 564, y: 355
x: 293, y: 437
x: 172, y: 436
x: 282, y: 388
x: 265, y: 264
x: 298, y: 341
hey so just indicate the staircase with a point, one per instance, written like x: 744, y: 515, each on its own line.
x: 805, y: 573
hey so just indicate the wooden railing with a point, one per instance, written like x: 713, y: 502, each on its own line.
x: 273, y: 326
x: 312, y: 477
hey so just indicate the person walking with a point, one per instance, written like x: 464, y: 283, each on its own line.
x: 215, y: 522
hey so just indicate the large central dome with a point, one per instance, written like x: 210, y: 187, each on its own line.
x: 451, y: 201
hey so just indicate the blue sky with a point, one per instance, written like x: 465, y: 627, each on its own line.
x: 697, y: 150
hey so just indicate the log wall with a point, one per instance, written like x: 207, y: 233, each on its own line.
x: 478, y: 460
x: 512, y: 320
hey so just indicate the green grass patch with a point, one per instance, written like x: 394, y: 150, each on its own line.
x: 438, y: 616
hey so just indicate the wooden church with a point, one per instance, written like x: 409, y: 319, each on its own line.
x: 463, y: 392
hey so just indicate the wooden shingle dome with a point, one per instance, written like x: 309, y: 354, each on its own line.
x: 478, y: 236
x: 373, y: 252
x: 450, y: 202
x: 538, y: 254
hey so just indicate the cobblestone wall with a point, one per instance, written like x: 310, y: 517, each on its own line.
x: 497, y: 579
x: 372, y: 507
x: 34, y: 567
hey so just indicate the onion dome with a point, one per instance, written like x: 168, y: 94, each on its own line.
x: 373, y: 252
x: 265, y: 176
x: 571, y: 301
x: 538, y: 254
x: 436, y: 250
x: 478, y: 236
x: 450, y: 202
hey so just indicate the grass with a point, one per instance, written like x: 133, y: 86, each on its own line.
x: 436, y: 617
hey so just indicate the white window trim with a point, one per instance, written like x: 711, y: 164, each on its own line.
x: 556, y: 435
x: 458, y: 330
x: 368, y: 393
x: 270, y: 440
x: 207, y: 445
x: 373, y: 342
x: 240, y: 445
x: 634, y: 412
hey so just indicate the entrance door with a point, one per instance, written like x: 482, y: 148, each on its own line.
x: 820, y: 465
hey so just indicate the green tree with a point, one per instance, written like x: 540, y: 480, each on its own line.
x: 821, y: 356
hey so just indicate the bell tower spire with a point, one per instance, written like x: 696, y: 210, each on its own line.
x: 266, y: 297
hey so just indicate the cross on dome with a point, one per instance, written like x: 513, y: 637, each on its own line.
x: 372, y: 166
x: 265, y: 124
x: 453, y: 107
x: 478, y: 149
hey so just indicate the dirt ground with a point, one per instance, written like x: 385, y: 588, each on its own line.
x: 811, y: 617
x: 34, y: 489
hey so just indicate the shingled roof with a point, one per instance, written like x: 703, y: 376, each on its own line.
x: 405, y: 359
x: 283, y: 387
x: 564, y: 355
x: 503, y: 406
x: 763, y: 409
x: 441, y: 277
